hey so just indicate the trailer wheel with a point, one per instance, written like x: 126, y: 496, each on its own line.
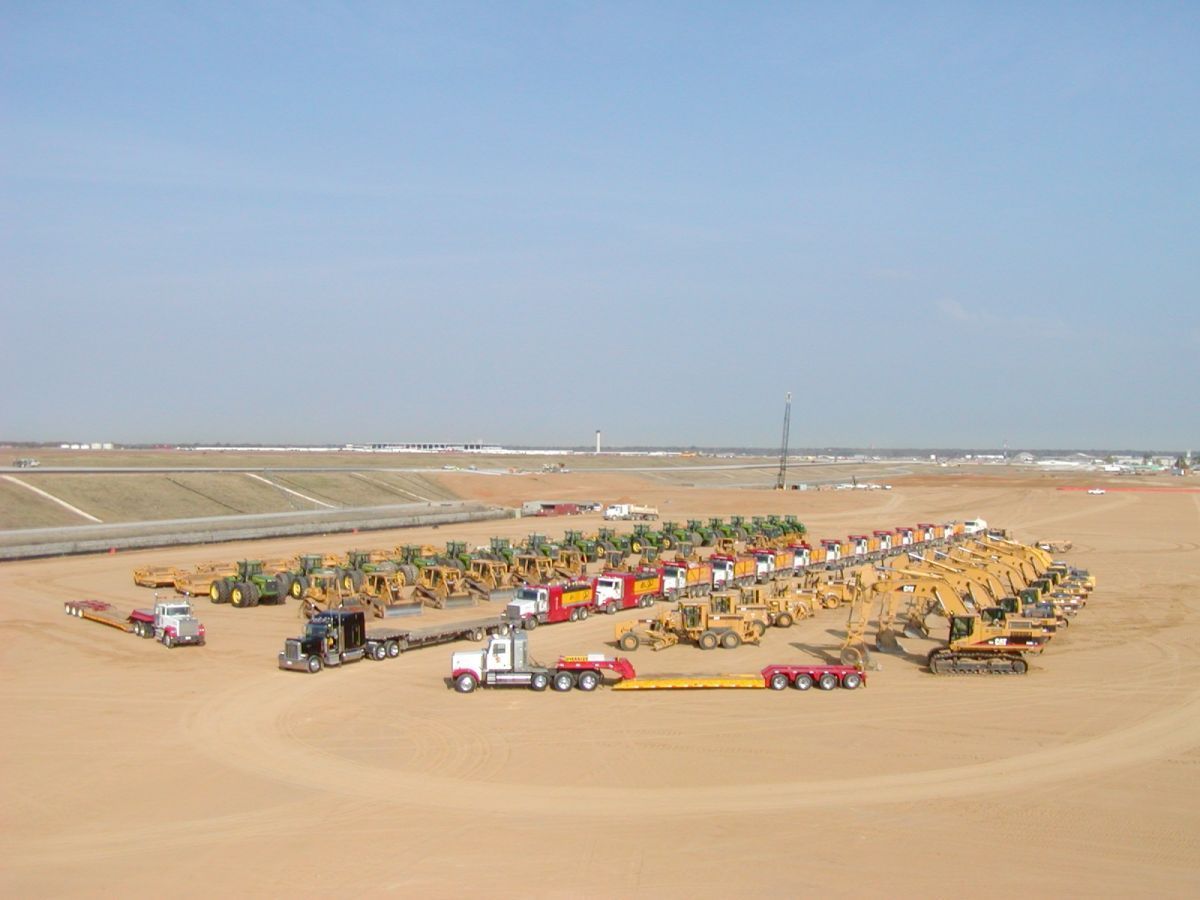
x: 478, y: 635
x: 563, y: 681
x: 851, y: 680
x: 393, y: 649
x: 583, y: 613
x: 540, y: 681
x: 574, y: 617
x: 314, y: 664
x: 731, y: 640
x: 465, y: 683
x: 708, y: 641
x: 827, y: 682
x: 588, y: 681
x: 803, y: 681
x: 779, y: 681
x: 784, y: 620
x: 628, y: 641
x: 379, y: 652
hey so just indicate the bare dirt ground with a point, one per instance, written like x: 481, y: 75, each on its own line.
x: 132, y: 770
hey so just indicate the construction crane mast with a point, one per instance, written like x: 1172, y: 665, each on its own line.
x: 781, y: 481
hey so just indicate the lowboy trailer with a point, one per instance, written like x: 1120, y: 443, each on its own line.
x: 170, y: 622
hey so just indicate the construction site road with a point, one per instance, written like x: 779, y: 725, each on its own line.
x: 1077, y: 779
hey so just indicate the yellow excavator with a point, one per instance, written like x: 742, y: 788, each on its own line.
x: 978, y: 641
x: 985, y: 590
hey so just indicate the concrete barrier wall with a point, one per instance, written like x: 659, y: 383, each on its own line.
x: 41, y: 542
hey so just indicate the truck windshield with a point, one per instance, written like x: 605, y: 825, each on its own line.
x: 176, y: 611
x: 527, y: 594
x: 316, y: 630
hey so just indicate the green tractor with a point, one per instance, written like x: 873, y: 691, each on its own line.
x: 251, y: 586
x: 538, y: 545
x: 700, y: 534
x: 456, y: 556
x: 591, y: 550
x: 624, y: 543
x: 739, y: 527
x: 501, y: 550
x: 721, y: 529
x: 307, y: 566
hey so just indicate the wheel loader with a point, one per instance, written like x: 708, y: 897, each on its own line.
x: 693, y: 621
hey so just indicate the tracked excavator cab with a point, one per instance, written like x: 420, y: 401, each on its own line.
x: 961, y: 628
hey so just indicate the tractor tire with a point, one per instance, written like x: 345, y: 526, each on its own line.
x: 851, y: 681
x: 253, y: 595
x: 283, y: 586
x: 803, y: 682
x: 731, y: 640
x: 827, y: 682
x: 465, y: 683
x: 588, y: 681
x: 218, y: 591
x: 628, y: 642
x: 667, y: 543
x: 237, y: 594
x: 314, y: 664
x: 539, y: 682
x: 784, y: 620
x: 563, y: 681
x: 708, y: 641
x: 298, y: 586
x: 778, y: 681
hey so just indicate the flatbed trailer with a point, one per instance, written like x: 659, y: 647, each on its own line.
x: 171, y: 623
x: 334, y: 637
x: 775, y: 676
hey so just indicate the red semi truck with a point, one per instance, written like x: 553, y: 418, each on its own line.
x: 541, y: 604
x: 627, y: 590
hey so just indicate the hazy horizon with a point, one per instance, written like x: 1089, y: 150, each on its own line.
x: 935, y: 224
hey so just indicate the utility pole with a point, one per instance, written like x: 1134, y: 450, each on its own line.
x: 781, y: 481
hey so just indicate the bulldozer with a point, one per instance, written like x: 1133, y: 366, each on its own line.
x: 323, y: 592
x: 569, y: 563
x: 382, y: 594
x: 532, y: 568
x: 442, y: 587
x: 691, y: 620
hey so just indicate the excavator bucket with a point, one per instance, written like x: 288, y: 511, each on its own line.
x: 914, y: 628
x: 856, y: 654
x: 886, y: 641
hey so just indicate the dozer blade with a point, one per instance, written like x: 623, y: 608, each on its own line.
x: 402, y: 609
x: 502, y: 595
x: 460, y: 601
x: 887, y: 642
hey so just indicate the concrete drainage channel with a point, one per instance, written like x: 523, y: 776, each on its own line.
x: 38, y: 542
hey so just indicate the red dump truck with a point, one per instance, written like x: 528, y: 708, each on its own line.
x: 686, y: 578
x: 730, y: 569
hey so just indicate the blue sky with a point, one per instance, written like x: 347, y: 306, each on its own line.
x: 936, y: 224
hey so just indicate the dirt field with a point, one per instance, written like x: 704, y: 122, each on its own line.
x: 132, y: 770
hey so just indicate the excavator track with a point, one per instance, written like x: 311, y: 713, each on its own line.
x: 947, y: 662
